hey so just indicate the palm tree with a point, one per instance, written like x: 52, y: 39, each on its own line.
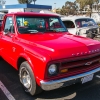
x: 24, y: 1
x: 34, y: 1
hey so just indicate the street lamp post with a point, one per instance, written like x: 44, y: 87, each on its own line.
x: 55, y: 7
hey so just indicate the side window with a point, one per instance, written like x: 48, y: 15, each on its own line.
x: 9, y: 25
x: 54, y: 23
x: 69, y: 24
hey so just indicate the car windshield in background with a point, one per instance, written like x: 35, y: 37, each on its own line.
x: 37, y: 24
x: 69, y: 24
x: 85, y: 22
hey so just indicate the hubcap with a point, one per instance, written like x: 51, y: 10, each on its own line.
x: 25, y: 77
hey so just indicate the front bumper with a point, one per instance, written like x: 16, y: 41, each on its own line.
x: 54, y: 84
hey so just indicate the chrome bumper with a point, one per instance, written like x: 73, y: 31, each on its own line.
x: 54, y: 84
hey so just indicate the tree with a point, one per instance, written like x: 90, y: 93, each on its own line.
x: 69, y: 8
x: 34, y: 1
x: 58, y: 10
x: 83, y: 3
x: 25, y: 1
x: 63, y: 11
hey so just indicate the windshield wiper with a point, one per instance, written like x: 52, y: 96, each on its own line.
x: 48, y: 30
x: 33, y: 31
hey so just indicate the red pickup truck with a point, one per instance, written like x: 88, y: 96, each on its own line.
x: 46, y: 55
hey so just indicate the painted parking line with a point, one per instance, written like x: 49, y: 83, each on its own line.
x: 6, y: 92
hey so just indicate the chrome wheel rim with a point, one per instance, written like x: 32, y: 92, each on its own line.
x: 25, y: 77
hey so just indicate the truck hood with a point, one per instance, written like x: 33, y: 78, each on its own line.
x: 61, y: 45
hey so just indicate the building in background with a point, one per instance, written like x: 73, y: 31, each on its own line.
x: 24, y: 8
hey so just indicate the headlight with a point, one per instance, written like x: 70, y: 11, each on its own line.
x: 52, y: 69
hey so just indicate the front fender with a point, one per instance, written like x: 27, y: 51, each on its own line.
x: 26, y: 57
x: 38, y: 64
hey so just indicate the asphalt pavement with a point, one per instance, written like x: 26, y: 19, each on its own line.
x: 10, y: 88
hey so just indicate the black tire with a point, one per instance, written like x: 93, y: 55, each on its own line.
x: 90, y: 35
x: 26, y: 75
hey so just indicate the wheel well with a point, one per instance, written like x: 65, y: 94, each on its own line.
x: 1, y: 58
x: 20, y: 60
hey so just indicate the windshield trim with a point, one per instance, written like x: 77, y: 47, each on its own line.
x: 44, y: 17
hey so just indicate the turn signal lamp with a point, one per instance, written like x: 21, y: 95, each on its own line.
x: 64, y: 70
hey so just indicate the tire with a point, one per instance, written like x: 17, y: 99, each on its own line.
x: 90, y: 35
x: 27, y: 79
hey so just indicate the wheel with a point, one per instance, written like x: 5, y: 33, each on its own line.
x: 27, y: 79
x: 90, y: 35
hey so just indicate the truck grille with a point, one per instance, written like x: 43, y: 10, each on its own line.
x: 80, y: 65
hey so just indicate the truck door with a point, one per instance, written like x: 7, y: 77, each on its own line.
x: 7, y: 40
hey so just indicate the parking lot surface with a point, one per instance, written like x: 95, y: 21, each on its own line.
x: 13, y: 90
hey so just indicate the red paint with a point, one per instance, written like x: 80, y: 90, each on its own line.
x: 42, y: 49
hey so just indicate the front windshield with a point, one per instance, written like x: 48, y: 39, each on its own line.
x: 85, y: 22
x: 27, y: 24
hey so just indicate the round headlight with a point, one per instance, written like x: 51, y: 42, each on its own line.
x: 52, y: 69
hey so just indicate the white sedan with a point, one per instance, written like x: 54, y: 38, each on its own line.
x: 83, y: 26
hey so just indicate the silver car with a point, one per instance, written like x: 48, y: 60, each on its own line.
x: 83, y: 26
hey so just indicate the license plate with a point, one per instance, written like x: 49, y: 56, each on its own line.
x: 87, y: 78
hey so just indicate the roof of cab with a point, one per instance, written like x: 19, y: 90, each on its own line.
x: 30, y: 13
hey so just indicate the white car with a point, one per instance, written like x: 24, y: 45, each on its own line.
x: 83, y: 26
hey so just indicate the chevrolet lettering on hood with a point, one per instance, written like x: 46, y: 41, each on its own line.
x: 45, y: 54
x: 89, y: 52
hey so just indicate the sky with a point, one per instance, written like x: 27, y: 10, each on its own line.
x: 59, y: 3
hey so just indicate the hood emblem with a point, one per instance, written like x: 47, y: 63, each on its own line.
x: 88, y: 63
x: 88, y: 52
